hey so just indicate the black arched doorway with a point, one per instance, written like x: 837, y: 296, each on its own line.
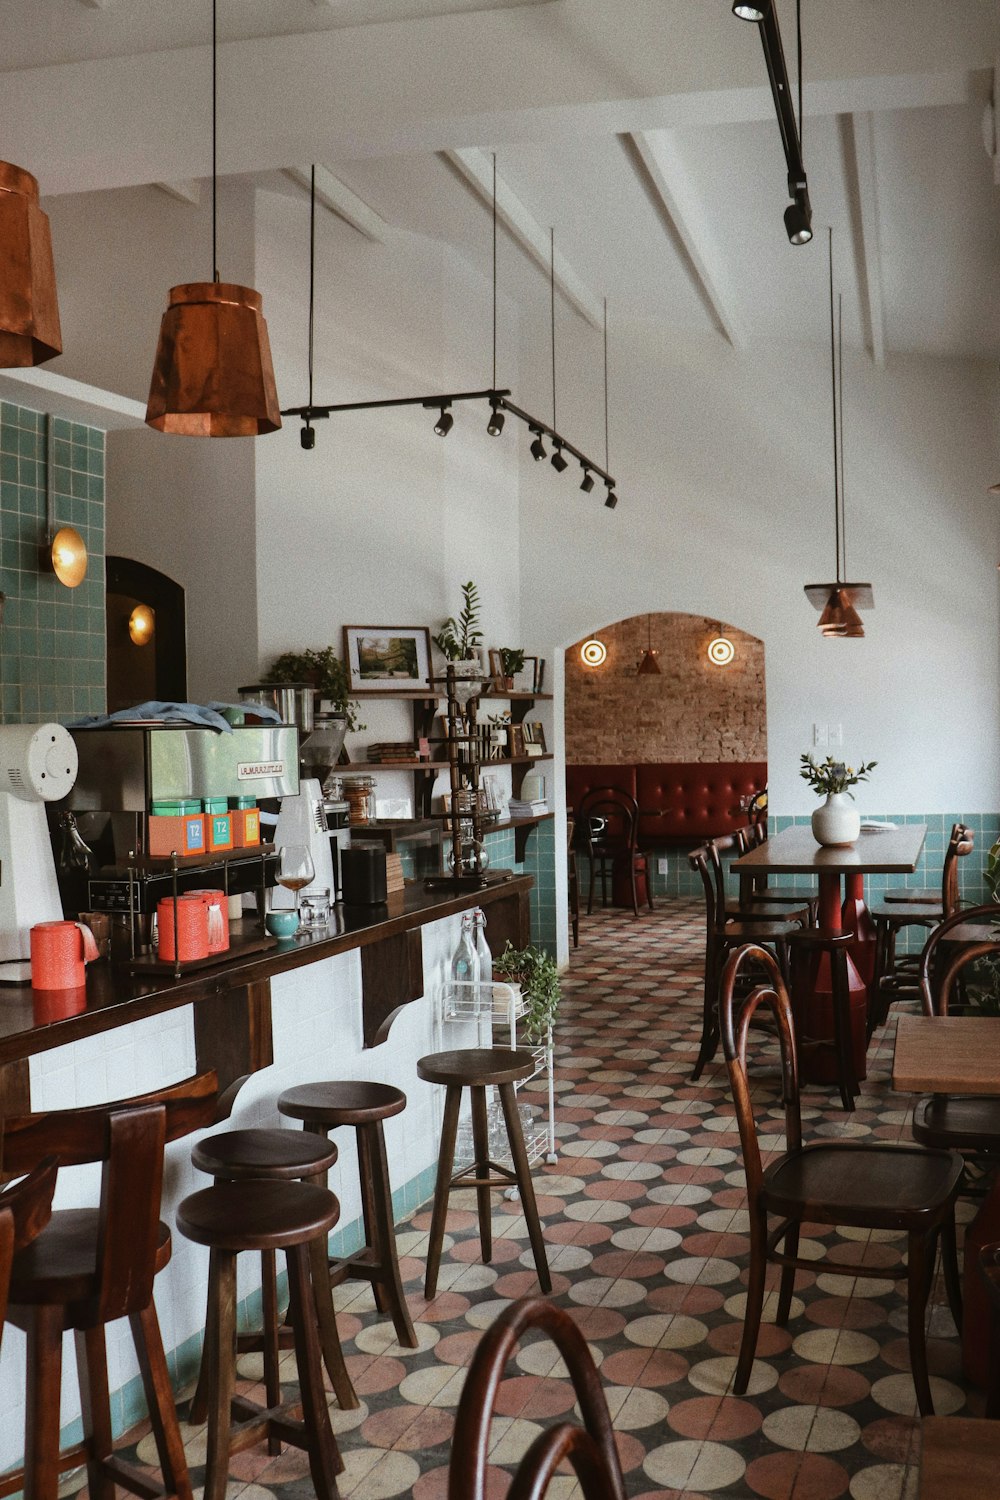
x: 144, y: 665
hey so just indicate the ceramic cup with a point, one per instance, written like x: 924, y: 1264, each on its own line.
x: 281, y: 924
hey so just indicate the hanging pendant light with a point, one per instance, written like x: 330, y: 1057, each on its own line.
x: 212, y: 376
x: 29, y: 308
x: 648, y: 664
x: 838, y: 601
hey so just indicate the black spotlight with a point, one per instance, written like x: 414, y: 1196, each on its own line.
x: 444, y: 423
x: 538, y: 448
x: 558, y: 462
x: 588, y: 482
x: 746, y: 10
x: 495, y: 425
x: 798, y: 220
x: 307, y: 437
x: 611, y: 499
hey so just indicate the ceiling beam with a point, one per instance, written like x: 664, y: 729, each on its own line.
x: 476, y: 167
x: 342, y: 201
x: 858, y: 139
x: 188, y: 191
x: 656, y: 157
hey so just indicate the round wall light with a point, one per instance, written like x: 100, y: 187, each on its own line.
x: 721, y: 651
x: 68, y: 553
x: 141, y: 625
x: 593, y: 653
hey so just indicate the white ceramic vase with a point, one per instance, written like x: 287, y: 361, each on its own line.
x: 837, y: 823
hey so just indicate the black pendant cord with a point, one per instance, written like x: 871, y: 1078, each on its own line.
x: 494, y: 382
x: 312, y: 274
x: 836, y: 441
x: 552, y: 314
x: 215, y: 168
x: 607, y: 460
x: 798, y: 50
x: 840, y: 403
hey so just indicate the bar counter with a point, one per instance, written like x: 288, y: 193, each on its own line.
x: 231, y: 997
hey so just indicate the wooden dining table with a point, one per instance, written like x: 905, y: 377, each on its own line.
x: 794, y: 851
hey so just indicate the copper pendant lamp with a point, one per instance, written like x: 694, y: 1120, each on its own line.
x: 837, y: 601
x: 29, y: 309
x: 213, y: 375
x: 648, y: 664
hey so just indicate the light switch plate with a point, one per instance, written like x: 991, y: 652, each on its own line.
x: 835, y: 734
x: 663, y: 866
x: 820, y: 734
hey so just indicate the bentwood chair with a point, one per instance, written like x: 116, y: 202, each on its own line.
x: 890, y: 920
x: 925, y: 895
x: 754, y: 889
x: 896, y: 1188
x: 608, y: 822
x: 589, y: 1449
x: 89, y: 1267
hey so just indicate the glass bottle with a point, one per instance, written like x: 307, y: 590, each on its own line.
x: 465, y: 960
x: 483, y: 953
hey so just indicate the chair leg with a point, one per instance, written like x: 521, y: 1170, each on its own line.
x: 219, y: 1364
x: 481, y: 1168
x: 592, y: 866
x: 709, y: 1020
x: 790, y: 1246
x: 374, y: 1168
x: 949, y: 1265
x: 148, y: 1341
x: 43, y: 1378
x: 755, y: 1301
x: 635, y: 891
x: 649, y: 883
x: 919, y: 1264
x: 446, y: 1163
x: 324, y: 1456
x: 522, y: 1169
x: 95, y: 1402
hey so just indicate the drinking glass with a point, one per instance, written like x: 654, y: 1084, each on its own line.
x: 295, y: 869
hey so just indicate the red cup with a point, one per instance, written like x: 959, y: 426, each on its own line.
x: 59, y: 953
x: 192, y: 929
x: 217, y: 906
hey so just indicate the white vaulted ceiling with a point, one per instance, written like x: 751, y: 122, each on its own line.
x: 641, y: 129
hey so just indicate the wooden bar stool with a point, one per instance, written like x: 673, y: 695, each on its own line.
x: 477, y: 1069
x: 89, y: 1267
x: 262, y: 1215
x: 275, y: 1156
x: 322, y: 1107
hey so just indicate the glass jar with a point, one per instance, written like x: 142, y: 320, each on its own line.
x: 359, y: 794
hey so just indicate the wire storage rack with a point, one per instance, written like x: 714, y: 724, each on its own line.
x: 497, y: 1007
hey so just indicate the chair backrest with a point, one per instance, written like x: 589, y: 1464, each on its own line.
x: 590, y: 1449
x: 25, y: 1209
x: 700, y: 859
x: 620, y: 814
x: 734, y: 1029
x: 940, y: 965
x: 127, y: 1137
x: 751, y: 836
x: 961, y: 843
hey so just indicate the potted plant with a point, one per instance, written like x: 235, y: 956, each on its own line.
x: 835, y: 825
x: 538, y: 976
x: 327, y: 675
x: 511, y: 662
x: 459, y: 641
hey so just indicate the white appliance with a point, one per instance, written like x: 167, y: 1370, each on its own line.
x: 302, y: 820
x: 38, y: 764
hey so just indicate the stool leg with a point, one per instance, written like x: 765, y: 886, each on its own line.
x: 481, y: 1167
x: 329, y: 1334
x: 95, y: 1402
x: 522, y: 1169
x: 324, y: 1456
x: 374, y: 1167
x: 43, y: 1378
x: 218, y: 1366
x: 269, y: 1338
x: 148, y: 1342
x: 442, y: 1187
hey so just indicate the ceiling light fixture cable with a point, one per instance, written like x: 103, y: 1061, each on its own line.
x: 611, y: 499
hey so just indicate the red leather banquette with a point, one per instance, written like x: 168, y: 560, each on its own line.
x: 692, y: 801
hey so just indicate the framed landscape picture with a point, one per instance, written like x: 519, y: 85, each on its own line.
x: 391, y: 658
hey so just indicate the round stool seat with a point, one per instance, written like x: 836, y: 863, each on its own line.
x: 274, y: 1154
x: 477, y: 1066
x: 271, y: 1216
x: 347, y: 1102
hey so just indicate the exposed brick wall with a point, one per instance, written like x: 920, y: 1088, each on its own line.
x: 692, y: 712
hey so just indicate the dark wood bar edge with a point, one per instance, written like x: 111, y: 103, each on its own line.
x: 232, y: 1014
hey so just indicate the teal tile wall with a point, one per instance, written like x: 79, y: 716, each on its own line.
x: 52, y: 639
x: 539, y: 862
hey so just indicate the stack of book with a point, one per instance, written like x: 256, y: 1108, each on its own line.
x: 394, y: 751
x: 393, y: 873
x: 520, y: 809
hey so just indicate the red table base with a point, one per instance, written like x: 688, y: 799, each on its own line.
x: 812, y: 997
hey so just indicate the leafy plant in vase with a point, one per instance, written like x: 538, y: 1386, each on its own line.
x: 538, y: 976
x: 459, y: 642
x: 835, y: 824
x: 511, y: 662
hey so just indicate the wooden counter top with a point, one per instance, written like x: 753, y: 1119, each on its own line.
x: 114, y: 997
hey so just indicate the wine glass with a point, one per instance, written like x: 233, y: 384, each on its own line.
x: 295, y: 869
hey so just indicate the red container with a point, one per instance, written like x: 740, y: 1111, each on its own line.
x: 217, y: 906
x: 59, y: 952
x: 192, y: 929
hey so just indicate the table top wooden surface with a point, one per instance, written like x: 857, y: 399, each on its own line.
x: 947, y: 1055
x: 794, y: 851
